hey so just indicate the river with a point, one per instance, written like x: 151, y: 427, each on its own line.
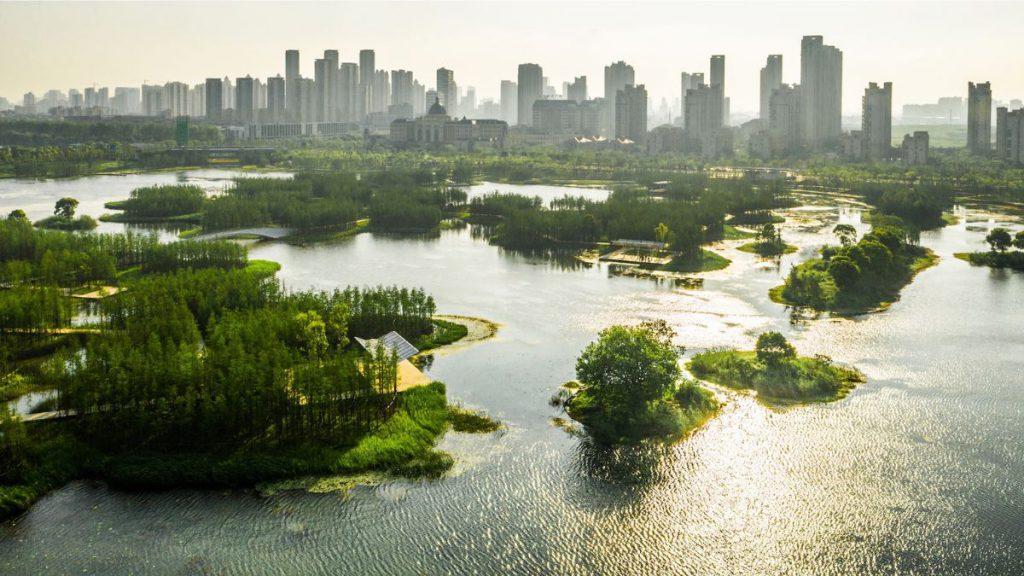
x: 918, y: 470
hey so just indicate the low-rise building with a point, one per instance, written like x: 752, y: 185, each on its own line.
x: 437, y: 128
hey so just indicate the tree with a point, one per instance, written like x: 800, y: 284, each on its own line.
x: 662, y: 232
x: 844, y: 271
x: 1018, y: 240
x: 999, y: 239
x: 17, y: 214
x: 846, y: 233
x: 314, y: 333
x: 629, y: 366
x: 65, y: 208
x: 773, y: 349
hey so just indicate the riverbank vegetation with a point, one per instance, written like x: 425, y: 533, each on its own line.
x: 857, y: 277
x: 999, y: 256
x: 775, y: 372
x: 204, y: 371
x: 630, y: 388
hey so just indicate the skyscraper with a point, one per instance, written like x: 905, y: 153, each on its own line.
x: 367, y: 67
x: 446, y: 91
x: 771, y: 78
x: 291, y: 77
x: 821, y: 85
x: 1010, y: 135
x: 617, y: 76
x: 509, y: 106
x: 214, y: 99
x: 577, y: 90
x: 688, y: 82
x: 245, y: 104
x: 324, y: 80
x: 275, y: 99
x: 348, y: 92
x: 401, y: 88
x: 631, y: 113
x: 785, y: 120
x: 876, y: 121
x: 717, y: 78
x: 334, y: 88
x: 979, y: 118
x: 529, y: 90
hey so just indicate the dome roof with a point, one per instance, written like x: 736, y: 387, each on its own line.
x: 436, y: 108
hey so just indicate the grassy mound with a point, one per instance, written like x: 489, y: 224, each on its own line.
x: 796, y: 379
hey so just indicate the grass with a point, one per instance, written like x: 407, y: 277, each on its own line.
x: 263, y: 267
x: 708, y: 262
x: 464, y: 420
x: 444, y: 333
x: 766, y: 250
x: 189, y: 233
x: 797, y: 379
x: 733, y: 233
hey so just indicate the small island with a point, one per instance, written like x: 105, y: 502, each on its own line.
x: 999, y: 256
x: 63, y: 217
x: 200, y: 369
x: 630, y: 388
x: 776, y: 373
x: 857, y: 277
x: 768, y: 243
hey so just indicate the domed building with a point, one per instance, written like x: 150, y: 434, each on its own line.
x: 437, y: 128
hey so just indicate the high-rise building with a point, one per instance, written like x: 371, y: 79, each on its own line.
x: 529, y: 90
x: 979, y: 118
x: 401, y: 87
x: 381, y: 92
x: 28, y: 102
x: 617, y: 76
x: 275, y: 99
x: 688, y: 82
x: 703, y: 119
x: 324, y: 81
x: 419, y: 98
x: 214, y: 99
x: 821, y: 87
x: 1010, y: 135
x: 245, y: 101
x: 348, y: 92
x: 577, y: 89
x: 631, y: 113
x: 785, y: 120
x: 717, y: 77
x: 509, y: 107
x: 876, y: 121
x: 367, y: 67
x: 915, y: 148
x: 175, y: 98
x: 771, y: 78
x: 467, y: 106
x: 291, y: 78
x: 446, y: 91
x: 127, y: 100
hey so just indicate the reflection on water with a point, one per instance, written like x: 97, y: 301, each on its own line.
x: 918, y: 470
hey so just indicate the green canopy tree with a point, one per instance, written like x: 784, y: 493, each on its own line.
x: 65, y: 208
x: 999, y: 239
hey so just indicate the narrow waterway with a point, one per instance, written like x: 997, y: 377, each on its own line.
x: 918, y: 470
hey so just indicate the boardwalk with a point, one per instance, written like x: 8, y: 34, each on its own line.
x: 268, y: 233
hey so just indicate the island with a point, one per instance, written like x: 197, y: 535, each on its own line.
x: 201, y: 370
x: 63, y: 217
x: 629, y: 388
x: 857, y: 277
x: 999, y: 256
x: 776, y: 373
x: 768, y: 243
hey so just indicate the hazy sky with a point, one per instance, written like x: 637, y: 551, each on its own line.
x: 926, y: 49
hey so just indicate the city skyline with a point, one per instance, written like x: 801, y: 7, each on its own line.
x: 490, y: 42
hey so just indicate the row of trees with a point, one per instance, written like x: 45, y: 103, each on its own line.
x: 54, y: 258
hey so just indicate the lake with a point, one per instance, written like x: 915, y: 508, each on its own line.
x: 918, y: 470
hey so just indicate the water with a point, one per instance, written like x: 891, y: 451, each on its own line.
x: 37, y: 197
x: 918, y: 470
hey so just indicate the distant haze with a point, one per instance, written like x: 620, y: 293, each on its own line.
x: 927, y: 50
